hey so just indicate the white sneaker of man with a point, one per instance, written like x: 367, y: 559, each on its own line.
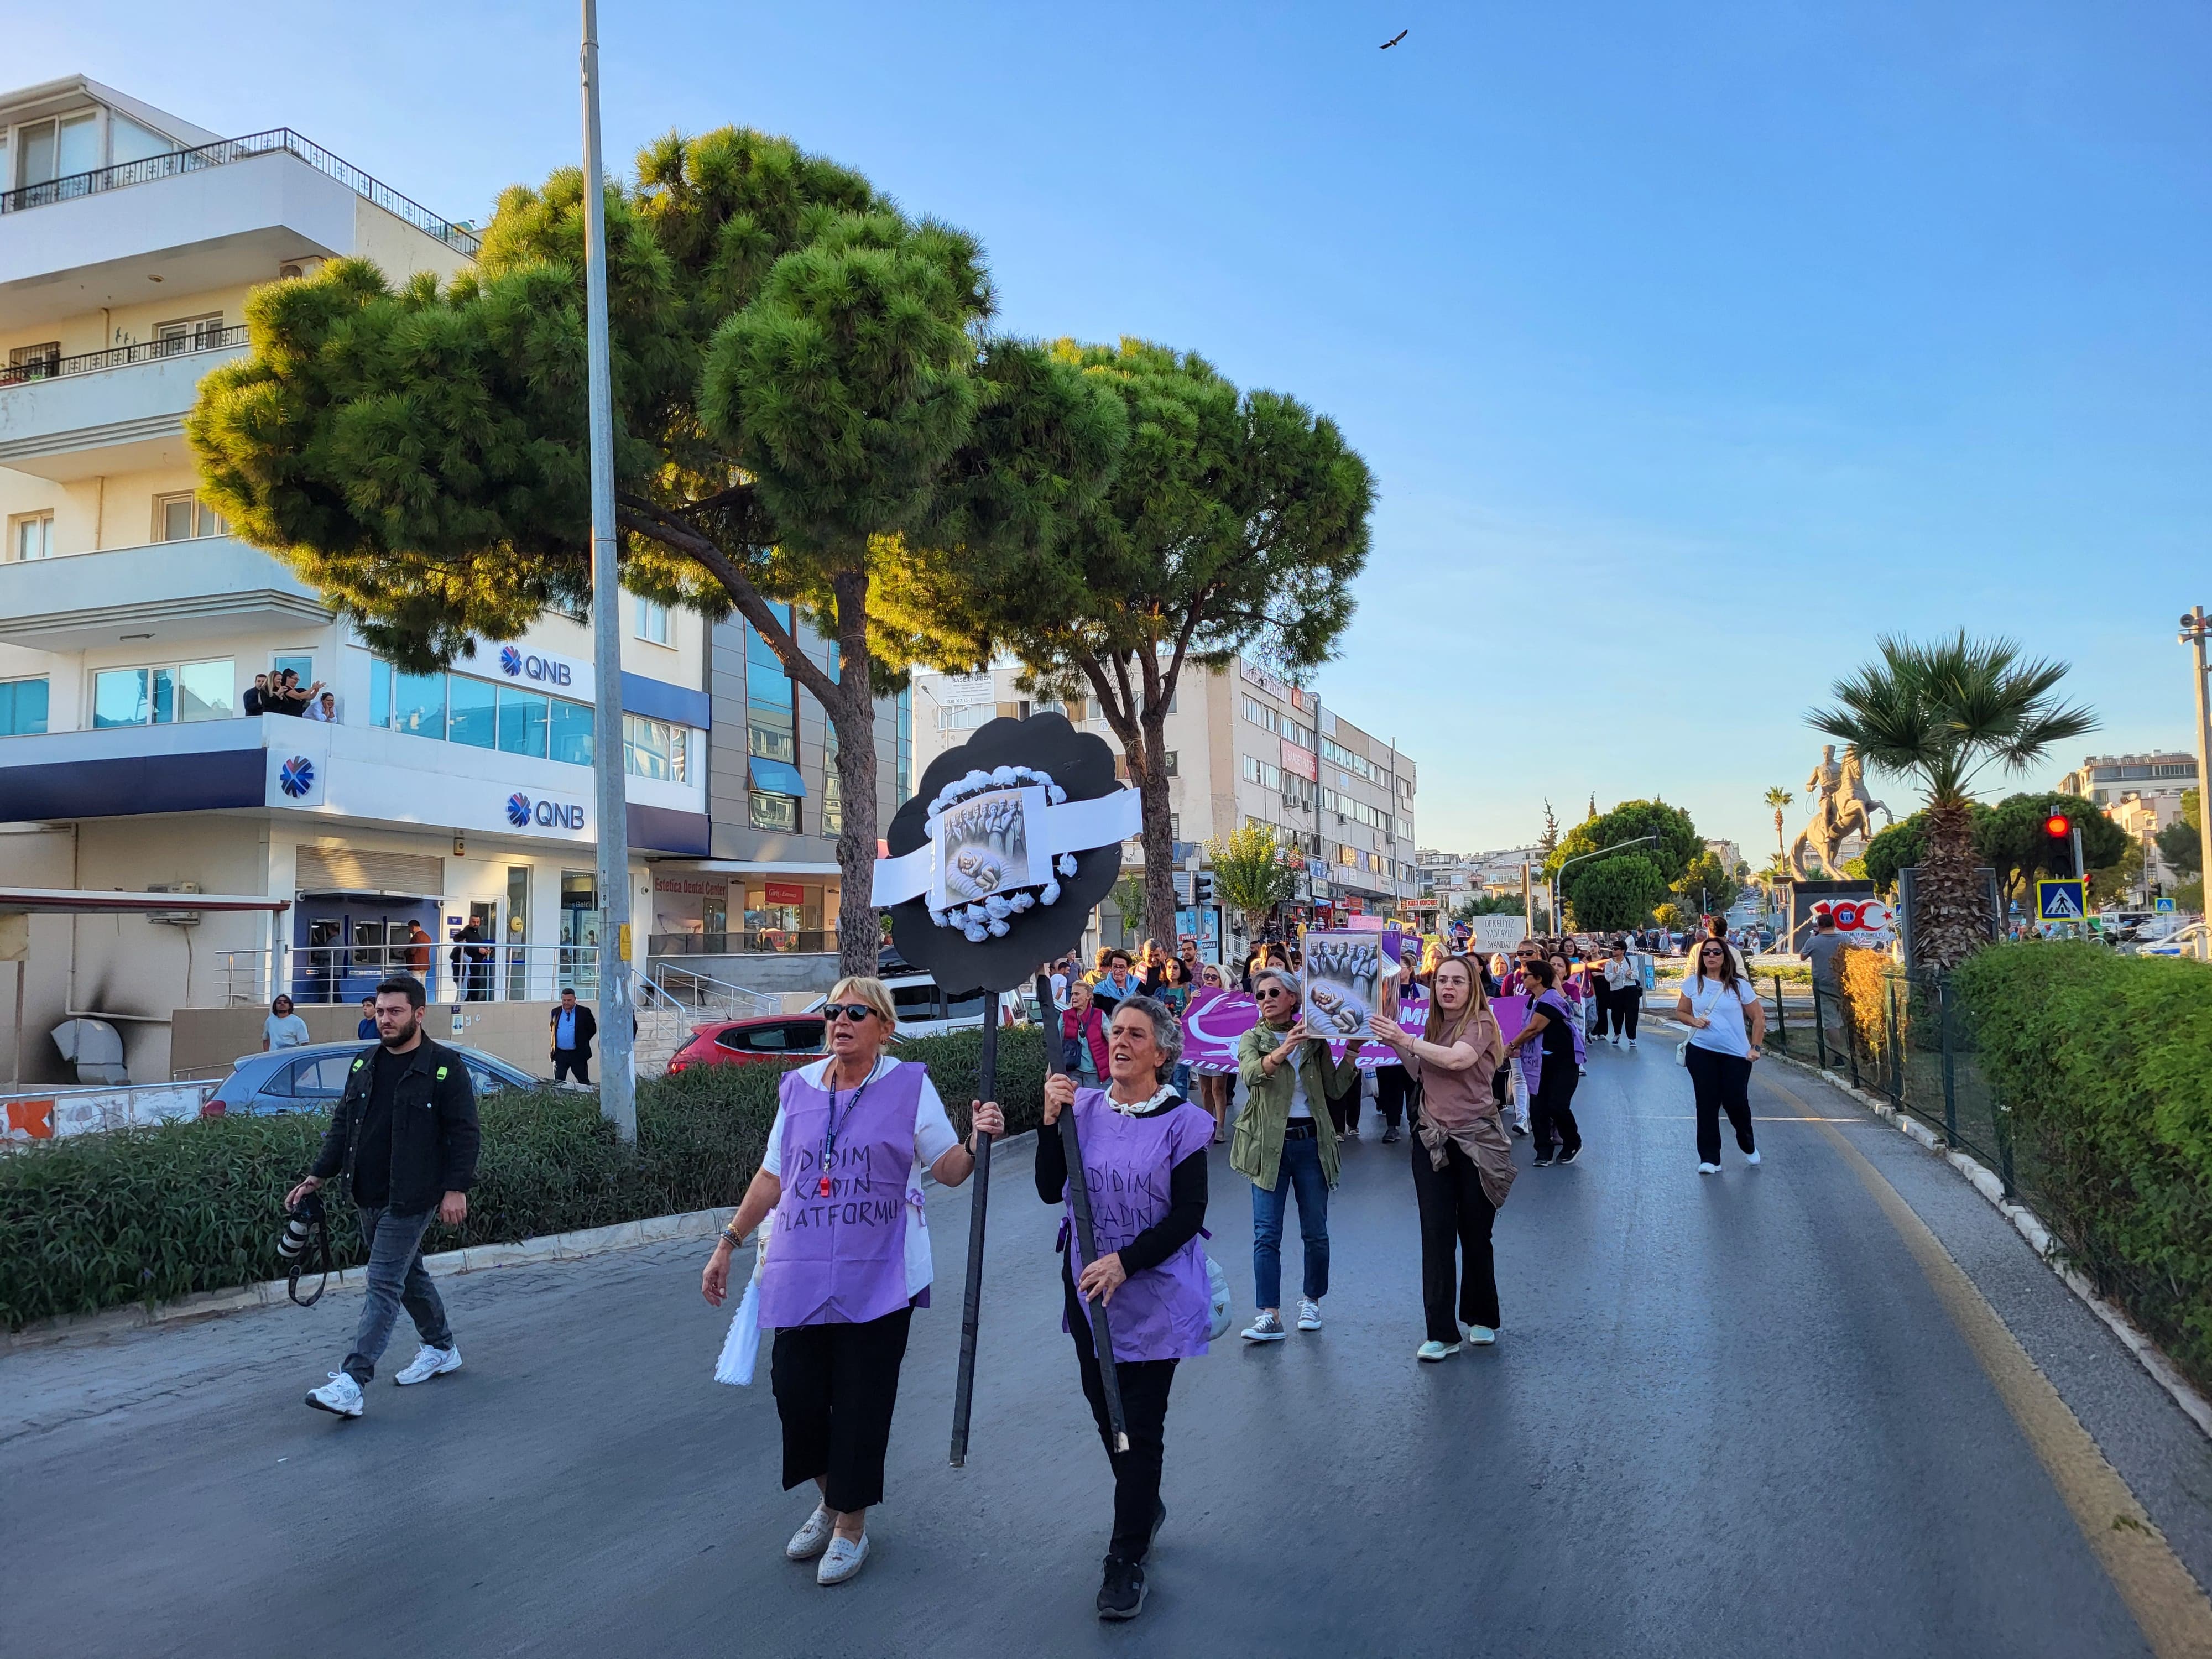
x: 429, y: 1362
x: 1309, y: 1314
x: 340, y: 1396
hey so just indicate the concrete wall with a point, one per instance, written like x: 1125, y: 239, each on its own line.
x: 768, y: 971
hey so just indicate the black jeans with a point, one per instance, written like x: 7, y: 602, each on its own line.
x: 1455, y: 1221
x: 1344, y: 1108
x: 1145, y: 1385
x: 1394, y: 1092
x: 835, y: 1388
x: 1720, y: 1080
x: 572, y: 1063
x: 1549, y: 1115
x: 1627, y: 1004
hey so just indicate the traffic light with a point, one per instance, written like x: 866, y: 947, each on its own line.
x: 2057, y: 825
x: 1203, y: 882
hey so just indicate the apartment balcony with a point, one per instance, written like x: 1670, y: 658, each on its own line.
x: 194, y: 220
x: 162, y: 593
x: 107, y: 411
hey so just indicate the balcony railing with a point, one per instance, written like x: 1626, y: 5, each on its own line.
x: 222, y: 152
x: 146, y: 351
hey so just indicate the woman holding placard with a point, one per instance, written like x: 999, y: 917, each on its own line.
x: 1144, y: 1164
x: 846, y: 1258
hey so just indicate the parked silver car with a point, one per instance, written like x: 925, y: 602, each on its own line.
x: 310, y: 1078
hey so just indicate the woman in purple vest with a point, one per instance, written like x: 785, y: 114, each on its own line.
x: 846, y: 1258
x: 1144, y: 1163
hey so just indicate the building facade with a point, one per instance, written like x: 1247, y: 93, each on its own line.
x: 1244, y: 748
x: 133, y: 626
x: 2106, y: 778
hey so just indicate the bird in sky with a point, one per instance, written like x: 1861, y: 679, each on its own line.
x: 1394, y: 39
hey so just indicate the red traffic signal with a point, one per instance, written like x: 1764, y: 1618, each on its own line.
x: 2057, y: 826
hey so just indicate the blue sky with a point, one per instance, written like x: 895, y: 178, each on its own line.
x: 1692, y: 346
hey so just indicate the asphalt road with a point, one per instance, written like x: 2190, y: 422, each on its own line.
x: 1725, y: 1416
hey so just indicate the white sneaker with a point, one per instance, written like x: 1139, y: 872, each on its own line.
x: 430, y: 1361
x: 1751, y: 1158
x: 810, y: 1540
x: 1309, y: 1316
x: 1631, y: 1043
x: 841, y: 1560
x: 1709, y: 1168
x: 1268, y: 1327
x: 1482, y: 1336
x: 1436, y: 1351
x: 340, y: 1396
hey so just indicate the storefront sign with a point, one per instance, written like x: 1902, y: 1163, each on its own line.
x: 717, y: 885
x: 786, y: 892
x: 538, y: 667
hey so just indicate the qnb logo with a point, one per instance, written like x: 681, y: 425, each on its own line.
x: 522, y: 813
x: 519, y: 666
x: 296, y: 776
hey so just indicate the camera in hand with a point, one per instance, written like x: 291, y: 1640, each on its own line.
x: 299, y: 1223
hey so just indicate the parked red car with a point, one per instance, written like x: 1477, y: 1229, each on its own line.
x: 751, y: 1041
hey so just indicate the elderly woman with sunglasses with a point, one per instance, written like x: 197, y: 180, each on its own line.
x: 1285, y: 1143
x: 845, y: 1258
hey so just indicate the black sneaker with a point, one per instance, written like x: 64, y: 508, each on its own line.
x: 1122, y: 1594
x: 1543, y: 1161
x: 1569, y: 1156
x: 1391, y: 1135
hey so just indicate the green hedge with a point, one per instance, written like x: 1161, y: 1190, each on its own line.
x: 150, y: 1214
x: 2106, y: 1062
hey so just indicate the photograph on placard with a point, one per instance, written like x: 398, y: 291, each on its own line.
x: 984, y: 849
x: 1345, y: 983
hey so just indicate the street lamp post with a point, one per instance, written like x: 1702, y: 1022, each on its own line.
x: 1636, y: 841
x: 618, y: 1036
x: 2194, y: 627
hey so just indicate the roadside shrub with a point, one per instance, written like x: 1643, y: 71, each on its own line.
x: 150, y: 1214
x: 2103, y: 1060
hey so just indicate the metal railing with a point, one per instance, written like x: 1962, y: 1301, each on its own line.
x: 323, y: 974
x: 145, y: 351
x: 749, y: 941
x: 707, y: 998
x: 223, y: 152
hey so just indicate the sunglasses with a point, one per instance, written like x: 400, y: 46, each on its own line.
x: 855, y: 1012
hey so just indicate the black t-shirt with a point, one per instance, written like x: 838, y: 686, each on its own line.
x: 372, y: 1163
x: 1558, y: 1035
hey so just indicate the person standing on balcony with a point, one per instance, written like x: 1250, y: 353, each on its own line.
x: 419, y: 943
x: 324, y: 709
x: 256, y: 696
x: 573, y: 1028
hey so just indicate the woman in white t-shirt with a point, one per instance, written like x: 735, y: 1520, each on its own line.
x: 1728, y: 1026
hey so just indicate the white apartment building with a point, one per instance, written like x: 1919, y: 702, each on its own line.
x: 1243, y: 747
x: 1453, y: 878
x: 132, y: 626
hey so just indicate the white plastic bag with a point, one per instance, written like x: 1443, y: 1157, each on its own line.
x: 1218, y: 1282
x: 741, y: 1348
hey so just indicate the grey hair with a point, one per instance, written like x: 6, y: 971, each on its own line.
x: 1285, y: 977
x: 1167, y: 1031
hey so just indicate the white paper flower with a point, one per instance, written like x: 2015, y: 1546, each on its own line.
x: 1050, y: 895
x: 1067, y: 864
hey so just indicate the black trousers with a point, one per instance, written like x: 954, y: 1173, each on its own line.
x: 1395, y: 1094
x: 1721, y: 1081
x: 1344, y: 1108
x: 1455, y: 1221
x: 1551, y: 1116
x: 572, y: 1063
x: 1145, y: 1384
x: 836, y: 1386
x: 1601, y: 1006
x: 1627, y: 1004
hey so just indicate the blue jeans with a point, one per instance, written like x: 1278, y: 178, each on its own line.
x: 1299, y: 1171
x: 397, y: 1278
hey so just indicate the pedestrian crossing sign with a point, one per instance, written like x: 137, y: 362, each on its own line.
x: 2059, y: 900
x: 2166, y: 907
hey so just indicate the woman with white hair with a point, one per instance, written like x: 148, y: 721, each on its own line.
x: 845, y: 1260
x: 1143, y: 1165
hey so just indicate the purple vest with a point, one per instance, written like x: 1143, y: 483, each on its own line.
x: 839, y: 1258
x: 1163, y: 1312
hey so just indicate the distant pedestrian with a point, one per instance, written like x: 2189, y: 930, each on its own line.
x: 365, y: 1031
x: 282, y: 1029
x: 1728, y: 1033
x: 419, y: 946
x: 1624, y: 987
x: 574, y: 1027
x: 1119, y: 982
x: 1143, y: 1158
x: 1082, y: 1036
x: 1213, y: 1087
x: 1551, y: 1026
x: 1463, y: 1157
x: 1820, y: 953
x: 1283, y: 1146
x: 1175, y: 986
x: 841, y: 1271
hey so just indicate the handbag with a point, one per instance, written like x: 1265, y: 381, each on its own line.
x: 1220, y: 1318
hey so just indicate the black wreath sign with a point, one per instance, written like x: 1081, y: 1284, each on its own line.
x: 998, y: 859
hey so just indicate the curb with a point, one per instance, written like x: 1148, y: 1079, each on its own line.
x: 273, y: 1293
x: 2030, y: 1226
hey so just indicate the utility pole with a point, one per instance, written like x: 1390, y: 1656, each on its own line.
x: 1528, y: 898
x: 617, y: 1036
x: 2193, y: 628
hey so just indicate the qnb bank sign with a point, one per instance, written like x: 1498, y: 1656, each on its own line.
x: 519, y: 664
x: 525, y: 811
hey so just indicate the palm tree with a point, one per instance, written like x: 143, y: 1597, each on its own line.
x: 1251, y: 875
x: 1939, y: 714
x: 1778, y: 797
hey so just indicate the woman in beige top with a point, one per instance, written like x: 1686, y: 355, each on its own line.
x: 1463, y: 1160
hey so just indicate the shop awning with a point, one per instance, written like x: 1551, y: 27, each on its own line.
x: 776, y: 777
x: 53, y: 901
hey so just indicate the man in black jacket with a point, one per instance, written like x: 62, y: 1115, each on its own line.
x: 573, y: 1028
x: 405, y: 1133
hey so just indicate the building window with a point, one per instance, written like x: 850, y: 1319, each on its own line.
x: 773, y: 812
x: 903, y: 770
x: 187, y: 334
x: 522, y: 721
x: 1173, y: 758
x: 31, y: 536
x: 968, y: 716
x: 455, y: 708
x: 59, y: 149
x: 30, y: 363
x: 471, y: 712
x: 163, y: 696
x: 648, y: 619
x: 22, y: 708
x: 771, y: 731
x: 833, y: 786
x: 654, y: 748
x: 571, y: 733
x: 185, y: 517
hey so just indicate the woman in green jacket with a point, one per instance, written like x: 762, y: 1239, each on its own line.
x: 1284, y: 1143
